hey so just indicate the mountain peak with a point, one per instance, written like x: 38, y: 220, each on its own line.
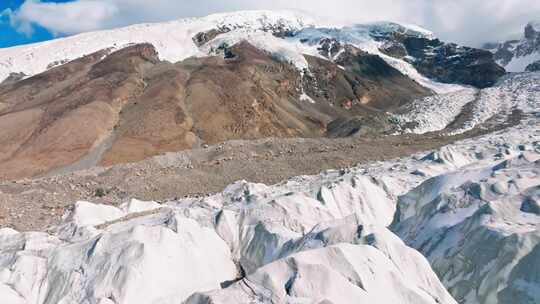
x: 532, y: 29
x: 534, y: 25
x: 521, y: 54
x: 404, y: 28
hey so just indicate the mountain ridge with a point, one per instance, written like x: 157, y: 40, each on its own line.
x: 522, y: 54
x: 174, y: 40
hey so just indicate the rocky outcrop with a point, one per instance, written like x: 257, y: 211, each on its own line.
x: 444, y: 62
x: 205, y: 37
x: 533, y: 67
x: 12, y: 78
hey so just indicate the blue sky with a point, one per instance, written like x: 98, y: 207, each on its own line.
x: 9, y: 36
x: 469, y: 22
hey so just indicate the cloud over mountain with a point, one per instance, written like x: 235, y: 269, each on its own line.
x: 466, y: 21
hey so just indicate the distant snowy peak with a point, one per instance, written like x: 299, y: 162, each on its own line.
x: 533, y: 28
x: 520, y: 55
x: 262, y: 19
x: 385, y: 28
x: 173, y: 40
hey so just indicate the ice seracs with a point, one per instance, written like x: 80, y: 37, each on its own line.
x: 340, y: 273
x: 476, y: 228
x: 435, y: 113
x: 151, y: 262
x: 310, y: 240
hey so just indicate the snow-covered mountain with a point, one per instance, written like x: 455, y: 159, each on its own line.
x: 173, y: 40
x: 520, y: 55
x: 287, y: 35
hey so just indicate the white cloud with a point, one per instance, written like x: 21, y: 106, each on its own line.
x: 62, y: 18
x: 465, y: 21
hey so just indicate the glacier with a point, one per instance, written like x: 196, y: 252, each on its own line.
x: 283, y: 243
x: 514, y: 92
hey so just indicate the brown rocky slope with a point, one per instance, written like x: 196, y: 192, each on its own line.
x: 116, y: 107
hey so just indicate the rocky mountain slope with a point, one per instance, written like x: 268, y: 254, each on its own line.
x: 522, y: 54
x: 130, y: 105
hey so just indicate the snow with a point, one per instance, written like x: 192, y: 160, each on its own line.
x: 360, y: 36
x: 136, y: 206
x: 478, y: 208
x: 524, y: 51
x: 452, y: 222
x: 519, y: 63
x: 407, y: 69
x: 342, y: 273
x: 435, y: 113
x: 88, y: 214
x: 515, y: 92
x: 535, y: 25
x: 281, y: 49
x: 189, y: 249
x: 306, y: 97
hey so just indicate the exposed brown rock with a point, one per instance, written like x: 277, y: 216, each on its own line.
x: 105, y: 109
